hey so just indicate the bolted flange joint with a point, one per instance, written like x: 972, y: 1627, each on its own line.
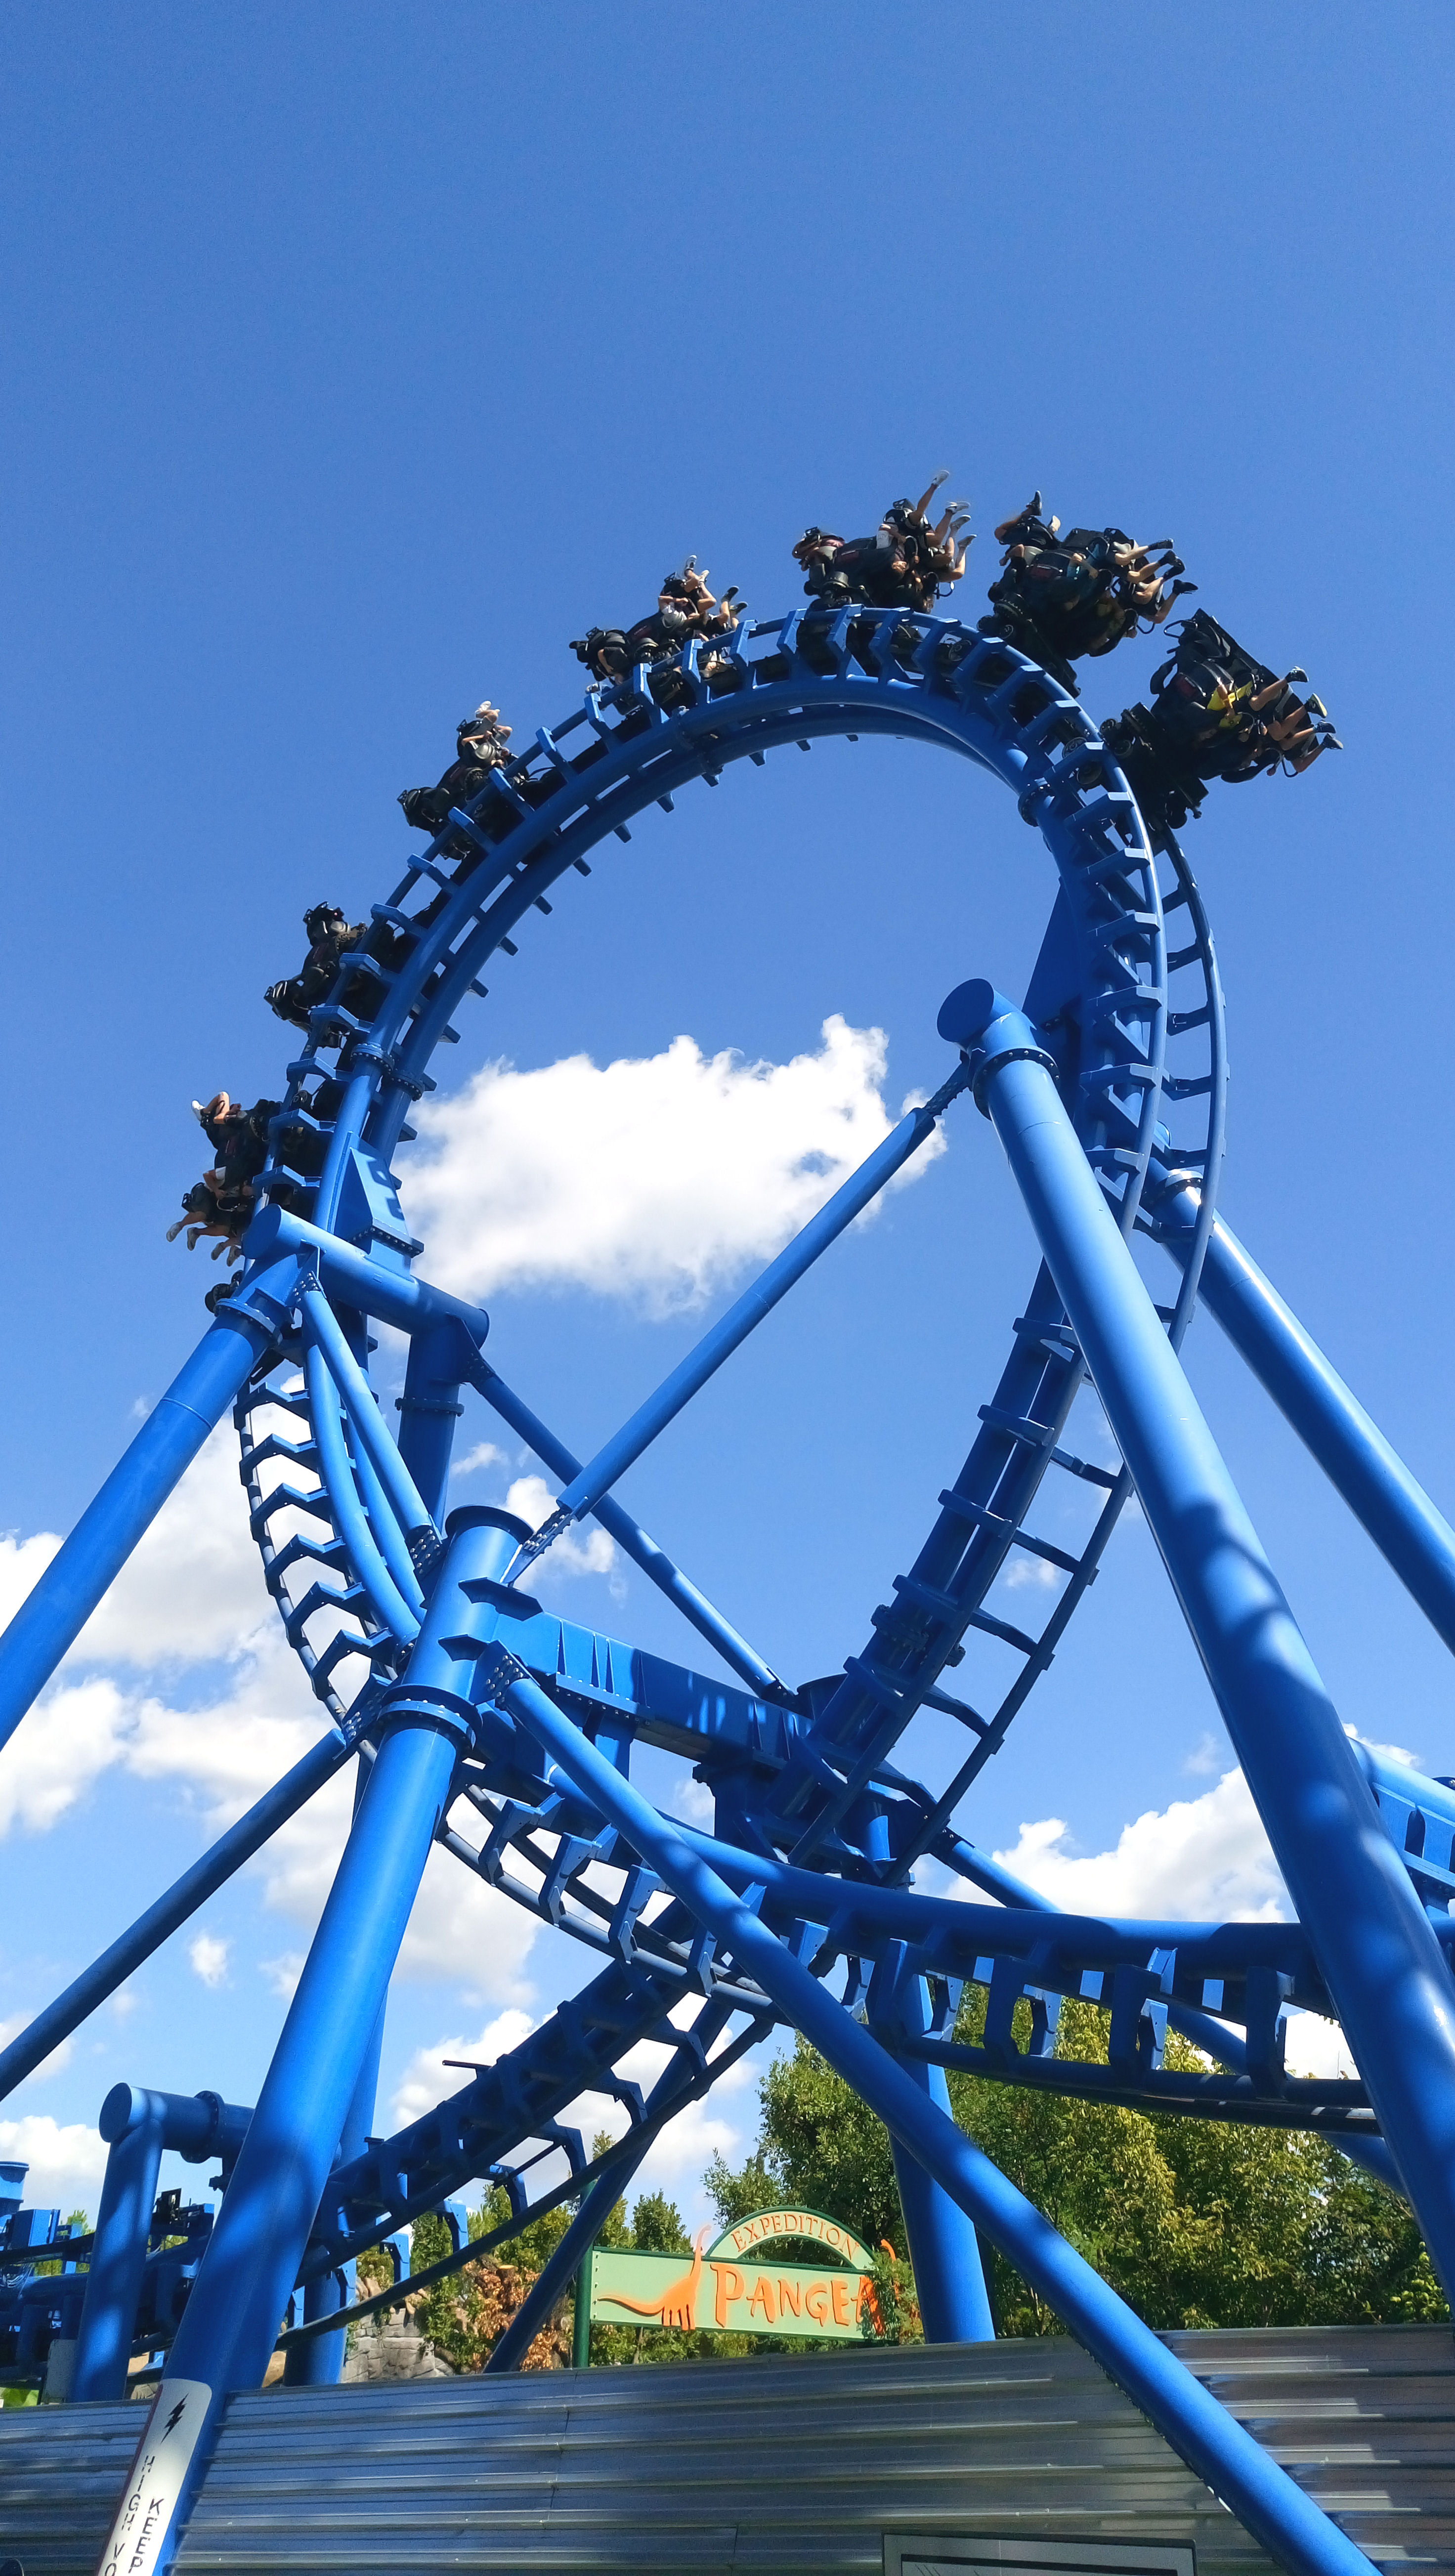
x: 990, y: 1032
x: 467, y: 1604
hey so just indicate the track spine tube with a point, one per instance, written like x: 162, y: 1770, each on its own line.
x: 1230, y: 2460
x: 1376, y: 1949
x: 394, y: 1614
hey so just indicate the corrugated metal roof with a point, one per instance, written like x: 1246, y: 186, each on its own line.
x: 773, y: 2467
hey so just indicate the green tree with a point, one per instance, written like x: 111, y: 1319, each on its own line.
x: 1194, y: 2222
x: 78, y: 2224
x: 657, y: 2226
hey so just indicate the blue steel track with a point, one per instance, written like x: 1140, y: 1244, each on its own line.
x: 476, y: 1719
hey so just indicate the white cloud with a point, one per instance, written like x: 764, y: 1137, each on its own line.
x: 283, y: 1973
x: 427, y: 2079
x: 724, y: 2123
x: 12, y: 2024
x: 654, y: 1179
x: 1317, y: 2047
x: 22, y: 1563
x: 1036, y: 1572
x: 218, y: 1759
x: 693, y: 1801
x: 484, y: 1454
x: 66, y: 2164
x: 208, y: 1955
x: 1201, y: 1859
x: 53, y: 1759
x: 193, y: 1587
x: 466, y: 1933
x: 585, y: 1550
x: 1390, y: 1752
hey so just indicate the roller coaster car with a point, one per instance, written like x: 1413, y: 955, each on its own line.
x: 1215, y: 713
x: 480, y: 742
x: 905, y: 564
x: 686, y: 609
x: 1062, y: 597
x: 221, y: 1203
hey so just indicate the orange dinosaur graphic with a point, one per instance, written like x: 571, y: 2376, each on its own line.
x: 677, y: 2305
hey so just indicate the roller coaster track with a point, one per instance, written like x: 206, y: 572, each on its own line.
x: 789, y: 683
x: 707, y: 1942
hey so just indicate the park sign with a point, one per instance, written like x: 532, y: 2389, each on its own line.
x: 752, y: 2280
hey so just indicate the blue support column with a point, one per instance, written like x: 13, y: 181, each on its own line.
x: 1381, y: 1962
x: 319, y: 2362
x: 949, y: 2277
x: 1237, y: 2468
x: 51, y: 1618
x: 248, y: 2272
x: 134, y: 2125
x: 440, y: 1356
x: 137, y: 2126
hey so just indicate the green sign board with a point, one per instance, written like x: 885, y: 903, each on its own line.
x: 751, y: 2281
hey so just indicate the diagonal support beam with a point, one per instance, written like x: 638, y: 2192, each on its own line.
x: 160, y: 1921
x: 50, y: 1620
x: 668, y: 2095
x: 632, y: 1539
x: 586, y: 1488
x: 1234, y: 2465
x: 560, y: 2268
x: 1406, y: 1526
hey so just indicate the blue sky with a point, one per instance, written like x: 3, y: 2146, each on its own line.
x: 357, y: 359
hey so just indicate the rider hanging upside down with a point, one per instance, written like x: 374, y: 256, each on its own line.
x: 905, y: 564
x: 330, y: 937
x: 480, y: 742
x: 1215, y: 713
x: 221, y: 1203
x: 686, y: 609
x: 1062, y: 597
